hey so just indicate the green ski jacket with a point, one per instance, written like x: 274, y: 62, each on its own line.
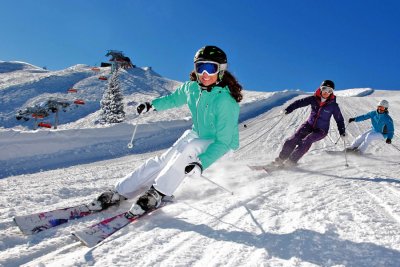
x: 215, y: 116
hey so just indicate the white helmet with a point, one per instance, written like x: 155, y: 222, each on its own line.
x: 383, y: 103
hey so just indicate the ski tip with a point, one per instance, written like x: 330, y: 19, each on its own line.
x: 259, y: 167
x: 256, y: 167
x: 24, y: 230
x: 77, y: 237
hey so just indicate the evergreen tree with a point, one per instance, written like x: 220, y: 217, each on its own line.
x: 112, y: 107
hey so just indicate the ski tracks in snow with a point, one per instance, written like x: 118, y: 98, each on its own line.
x: 382, y: 188
x: 372, y: 201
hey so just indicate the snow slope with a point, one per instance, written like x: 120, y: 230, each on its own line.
x: 319, y: 214
x: 23, y: 85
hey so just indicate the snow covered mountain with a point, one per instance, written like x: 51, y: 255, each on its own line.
x: 78, y: 129
x: 319, y: 214
x: 23, y: 85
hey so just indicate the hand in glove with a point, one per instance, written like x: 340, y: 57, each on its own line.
x: 284, y: 112
x: 144, y: 107
x: 194, y: 168
x: 351, y: 120
x: 388, y: 141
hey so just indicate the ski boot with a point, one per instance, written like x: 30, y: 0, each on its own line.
x: 289, y: 163
x: 278, y: 162
x: 148, y: 201
x: 105, y: 200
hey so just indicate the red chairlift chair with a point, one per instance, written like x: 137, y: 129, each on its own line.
x: 79, y: 102
x: 37, y: 116
x: 44, y: 124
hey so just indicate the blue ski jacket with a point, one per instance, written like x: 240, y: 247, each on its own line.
x: 381, y: 122
x: 321, y: 112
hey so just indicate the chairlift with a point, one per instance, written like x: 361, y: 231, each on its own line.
x: 44, y: 124
x: 37, y: 116
x: 79, y: 102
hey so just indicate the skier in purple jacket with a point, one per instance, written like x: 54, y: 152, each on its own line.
x: 323, y: 107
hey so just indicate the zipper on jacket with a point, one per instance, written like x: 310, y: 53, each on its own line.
x: 319, y: 112
x: 197, y: 112
x: 317, y: 117
x: 379, y: 117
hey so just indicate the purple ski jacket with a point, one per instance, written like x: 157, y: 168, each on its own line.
x: 321, y: 112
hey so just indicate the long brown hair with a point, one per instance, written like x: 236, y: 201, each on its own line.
x: 227, y: 80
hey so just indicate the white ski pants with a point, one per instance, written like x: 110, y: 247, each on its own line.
x: 362, y: 141
x: 165, y: 172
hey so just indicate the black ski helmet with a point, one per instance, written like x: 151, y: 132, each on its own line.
x: 211, y: 53
x: 328, y: 83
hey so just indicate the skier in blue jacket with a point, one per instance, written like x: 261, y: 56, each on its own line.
x: 323, y: 107
x: 382, y: 128
x: 212, y: 95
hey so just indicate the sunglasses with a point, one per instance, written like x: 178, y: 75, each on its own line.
x: 206, y: 66
x: 326, y: 89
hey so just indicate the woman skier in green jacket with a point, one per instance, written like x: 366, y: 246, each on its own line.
x: 212, y: 96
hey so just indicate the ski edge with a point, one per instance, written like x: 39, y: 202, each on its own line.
x: 19, y: 220
x: 266, y: 167
x: 79, y: 235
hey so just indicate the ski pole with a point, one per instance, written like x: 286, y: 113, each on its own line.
x: 130, y: 144
x: 395, y: 147
x: 345, y: 153
x: 339, y: 135
x: 270, y: 129
x: 330, y: 138
x: 220, y: 186
x: 270, y: 118
x: 337, y: 140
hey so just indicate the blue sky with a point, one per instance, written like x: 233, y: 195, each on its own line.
x: 271, y: 45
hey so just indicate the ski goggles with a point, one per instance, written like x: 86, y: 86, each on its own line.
x: 326, y: 89
x: 210, y: 67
